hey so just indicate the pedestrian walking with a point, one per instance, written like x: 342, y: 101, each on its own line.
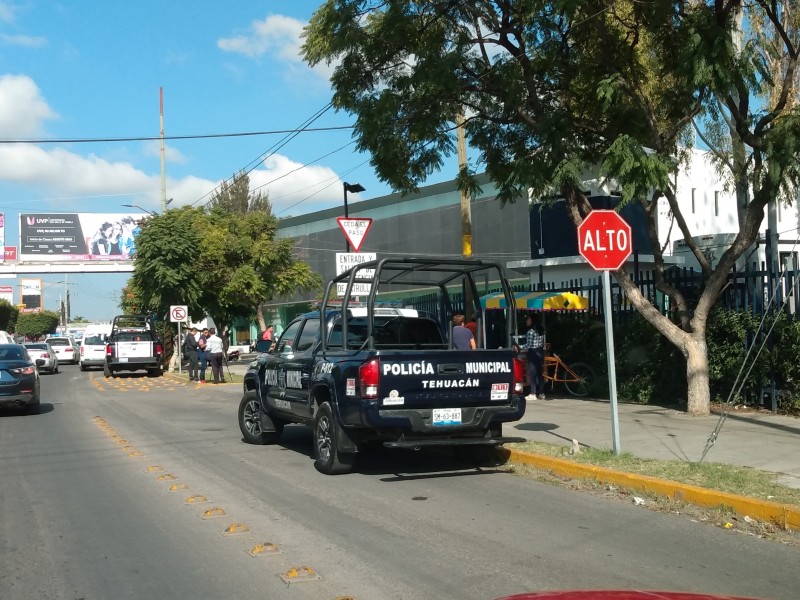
x: 190, y: 349
x: 202, y: 355
x: 534, y: 344
x: 214, y: 349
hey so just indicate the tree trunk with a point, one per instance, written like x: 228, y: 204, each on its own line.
x: 692, y: 345
x: 262, y: 324
x: 698, y: 398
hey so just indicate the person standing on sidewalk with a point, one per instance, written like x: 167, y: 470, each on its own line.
x: 266, y: 336
x: 190, y: 351
x: 534, y: 344
x: 202, y: 355
x: 214, y: 349
x: 463, y: 339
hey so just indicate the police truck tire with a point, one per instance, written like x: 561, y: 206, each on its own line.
x: 327, y: 458
x: 106, y: 371
x: 250, y: 422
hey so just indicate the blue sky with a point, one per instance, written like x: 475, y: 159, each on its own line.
x: 92, y: 70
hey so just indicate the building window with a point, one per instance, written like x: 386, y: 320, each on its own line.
x: 693, y: 196
x: 716, y: 204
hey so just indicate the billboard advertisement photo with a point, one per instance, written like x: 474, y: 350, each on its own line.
x: 31, y: 295
x: 78, y: 236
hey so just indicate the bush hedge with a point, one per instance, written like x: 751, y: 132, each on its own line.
x: 650, y: 370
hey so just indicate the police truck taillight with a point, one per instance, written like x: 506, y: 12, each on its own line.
x: 369, y: 375
x: 109, y: 350
x: 519, y: 376
x: 159, y: 349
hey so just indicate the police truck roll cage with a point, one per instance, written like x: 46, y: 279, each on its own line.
x: 408, y: 273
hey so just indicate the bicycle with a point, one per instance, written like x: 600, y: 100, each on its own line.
x: 577, y: 377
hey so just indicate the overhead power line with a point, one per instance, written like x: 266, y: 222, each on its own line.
x: 172, y: 137
x: 267, y: 153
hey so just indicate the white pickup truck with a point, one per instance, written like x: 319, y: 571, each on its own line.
x: 132, y: 346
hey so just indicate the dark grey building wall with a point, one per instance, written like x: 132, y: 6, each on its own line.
x: 499, y: 233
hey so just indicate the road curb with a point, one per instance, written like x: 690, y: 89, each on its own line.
x: 785, y: 516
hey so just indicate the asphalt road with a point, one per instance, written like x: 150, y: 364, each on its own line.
x: 86, y: 512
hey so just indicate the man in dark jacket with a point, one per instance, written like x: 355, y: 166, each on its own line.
x: 190, y: 351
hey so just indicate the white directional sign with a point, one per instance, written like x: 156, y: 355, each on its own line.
x: 346, y: 261
x: 178, y: 314
x: 355, y: 230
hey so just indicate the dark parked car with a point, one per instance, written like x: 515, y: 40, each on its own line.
x: 19, y: 378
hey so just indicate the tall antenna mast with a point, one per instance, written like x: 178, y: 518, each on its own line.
x: 163, y: 153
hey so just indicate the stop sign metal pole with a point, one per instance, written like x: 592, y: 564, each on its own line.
x: 605, y: 241
x: 612, y: 368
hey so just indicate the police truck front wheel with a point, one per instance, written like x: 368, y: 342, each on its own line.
x: 328, y: 459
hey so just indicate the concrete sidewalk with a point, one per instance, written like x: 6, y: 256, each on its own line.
x: 762, y: 441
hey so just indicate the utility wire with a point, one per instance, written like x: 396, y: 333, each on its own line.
x: 170, y: 137
x: 269, y: 152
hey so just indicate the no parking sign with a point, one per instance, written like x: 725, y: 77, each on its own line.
x: 178, y: 314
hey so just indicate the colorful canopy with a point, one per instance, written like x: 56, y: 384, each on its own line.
x: 537, y: 301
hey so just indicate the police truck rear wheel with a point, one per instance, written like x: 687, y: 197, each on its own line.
x: 328, y: 460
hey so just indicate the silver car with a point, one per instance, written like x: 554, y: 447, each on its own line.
x: 65, y: 349
x: 43, y: 350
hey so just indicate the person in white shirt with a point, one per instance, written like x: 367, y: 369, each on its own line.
x: 214, y: 351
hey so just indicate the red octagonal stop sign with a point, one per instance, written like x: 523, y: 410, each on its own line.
x: 604, y: 240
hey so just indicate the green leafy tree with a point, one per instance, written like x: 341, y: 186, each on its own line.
x: 242, y: 261
x: 555, y: 93
x: 224, y: 260
x: 165, y: 271
x: 37, y: 324
x: 8, y: 315
x: 234, y: 196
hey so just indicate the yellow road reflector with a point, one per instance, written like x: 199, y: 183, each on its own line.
x: 135, y: 453
x: 235, y: 529
x: 196, y: 499
x: 178, y: 487
x: 265, y: 549
x: 122, y: 442
x: 167, y: 477
x: 345, y: 598
x: 298, y: 574
x: 153, y: 469
x: 213, y: 513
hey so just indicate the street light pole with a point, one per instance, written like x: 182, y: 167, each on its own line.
x: 149, y: 212
x: 353, y: 188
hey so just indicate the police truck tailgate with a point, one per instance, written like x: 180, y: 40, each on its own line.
x: 445, y: 379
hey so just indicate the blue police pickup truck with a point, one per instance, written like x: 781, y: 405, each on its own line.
x: 360, y: 373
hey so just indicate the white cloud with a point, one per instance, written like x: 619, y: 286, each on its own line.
x: 26, y: 41
x: 66, y: 180
x: 58, y: 173
x: 23, y: 111
x: 171, y: 155
x: 7, y: 12
x: 293, y: 190
x: 278, y: 36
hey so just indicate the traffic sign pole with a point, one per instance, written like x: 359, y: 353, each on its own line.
x: 605, y: 241
x: 612, y: 367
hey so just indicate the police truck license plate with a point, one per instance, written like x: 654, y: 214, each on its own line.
x: 447, y: 416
